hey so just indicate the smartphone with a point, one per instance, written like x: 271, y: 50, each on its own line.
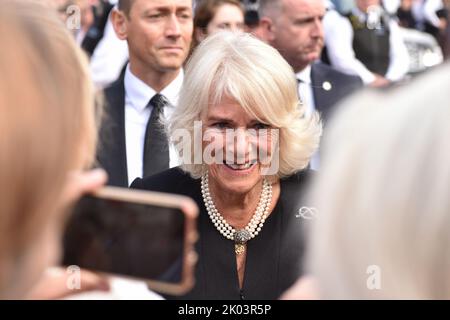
x: 141, y: 235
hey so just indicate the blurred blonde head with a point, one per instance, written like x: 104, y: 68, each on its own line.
x: 47, y: 129
x: 383, y: 196
x: 254, y: 74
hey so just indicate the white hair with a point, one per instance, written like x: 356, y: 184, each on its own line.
x: 261, y: 81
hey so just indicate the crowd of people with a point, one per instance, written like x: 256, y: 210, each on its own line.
x: 374, y: 49
x: 299, y: 70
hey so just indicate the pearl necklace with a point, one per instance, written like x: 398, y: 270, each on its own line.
x: 252, y: 229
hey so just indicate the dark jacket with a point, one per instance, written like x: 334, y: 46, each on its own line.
x: 341, y: 85
x: 274, y: 256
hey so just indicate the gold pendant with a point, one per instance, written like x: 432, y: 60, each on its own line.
x: 239, y: 248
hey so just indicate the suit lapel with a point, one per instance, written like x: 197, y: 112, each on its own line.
x: 322, y: 89
x: 112, y: 149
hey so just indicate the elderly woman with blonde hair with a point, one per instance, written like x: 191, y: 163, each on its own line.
x: 382, y: 227
x: 245, y: 143
x: 47, y: 132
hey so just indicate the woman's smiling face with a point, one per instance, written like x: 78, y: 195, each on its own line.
x: 239, y: 145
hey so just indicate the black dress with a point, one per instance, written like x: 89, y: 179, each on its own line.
x: 274, y: 256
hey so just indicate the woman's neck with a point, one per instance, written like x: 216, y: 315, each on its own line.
x: 236, y: 208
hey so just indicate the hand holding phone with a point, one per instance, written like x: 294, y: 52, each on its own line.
x: 141, y: 235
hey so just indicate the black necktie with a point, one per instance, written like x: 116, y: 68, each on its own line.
x: 156, y: 147
x: 299, y: 81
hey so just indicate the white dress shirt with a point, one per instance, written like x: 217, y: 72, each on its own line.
x: 109, y: 57
x: 305, y: 91
x: 306, y: 94
x: 391, y: 6
x: 426, y: 11
x: 137, y: 114
x: 430, y: 9
x: 339, y: 42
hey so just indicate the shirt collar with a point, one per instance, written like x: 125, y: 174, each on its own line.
x: 172, y: 91
x: 362, y: 16
x: 139, y: 93
x: 305, y: 75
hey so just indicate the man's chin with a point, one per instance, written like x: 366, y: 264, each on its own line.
x: 313, y: 56
x: 167, y: 67
x: 171, y: 64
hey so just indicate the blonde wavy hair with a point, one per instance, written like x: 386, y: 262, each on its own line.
x: 47, y: 125
x: 254, y: 74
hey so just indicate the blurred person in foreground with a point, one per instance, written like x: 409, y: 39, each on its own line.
x: 48, y: 137
x: 382, y: 226
x: 251, y: 142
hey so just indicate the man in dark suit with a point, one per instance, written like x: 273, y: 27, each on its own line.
x: 294, y: 28
x: 132, y: 141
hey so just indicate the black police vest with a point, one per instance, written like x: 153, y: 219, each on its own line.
x: 371, y: 45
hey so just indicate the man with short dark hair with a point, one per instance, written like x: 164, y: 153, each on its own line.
x: 132, y: 141
x: 125, y: 6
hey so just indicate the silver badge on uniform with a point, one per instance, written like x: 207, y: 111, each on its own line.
x: 326, y: 86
